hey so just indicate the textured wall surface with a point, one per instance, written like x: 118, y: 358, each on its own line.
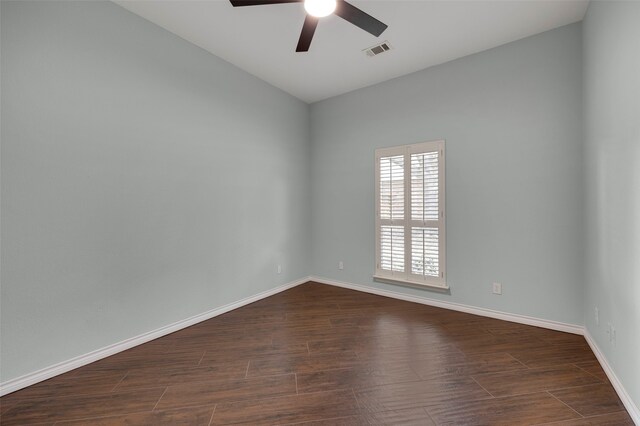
x: 144, y: 181
x: 612, y: 183
x: 511, y: 118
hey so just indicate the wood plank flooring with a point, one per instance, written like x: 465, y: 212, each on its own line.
x: 321, y: 355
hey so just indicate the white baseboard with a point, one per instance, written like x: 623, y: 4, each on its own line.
x: 73, y: 363
x: 633, y: 410
x: 522, y: 319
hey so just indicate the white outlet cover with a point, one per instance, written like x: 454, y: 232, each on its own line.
x: 497, y: 288
x: 341, y: 265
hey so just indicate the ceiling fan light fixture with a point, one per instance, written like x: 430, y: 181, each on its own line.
x: 320, y: 8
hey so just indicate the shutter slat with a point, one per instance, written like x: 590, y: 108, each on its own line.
x: 392, y: 187
x: 425, y: 186
x: 425, y: 252
x: 392, y: 248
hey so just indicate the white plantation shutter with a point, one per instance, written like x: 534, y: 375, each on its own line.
x: 424, y: 186
x: 391, y: 235
x: 392, y: 248
x: 425, y: 252
x: 410, y: 214
x: 392, y: 187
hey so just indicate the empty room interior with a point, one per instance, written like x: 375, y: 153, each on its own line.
x: 320, y: 212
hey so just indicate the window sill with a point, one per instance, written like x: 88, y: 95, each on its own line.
x: 414, y: 284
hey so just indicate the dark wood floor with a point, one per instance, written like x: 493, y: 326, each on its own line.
x: 331, y: 356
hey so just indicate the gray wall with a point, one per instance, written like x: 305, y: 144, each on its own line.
x: 511, y: 117
x: 143, y: 181
x: 612, y: 182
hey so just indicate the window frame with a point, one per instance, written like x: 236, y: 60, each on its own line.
x: 407, y: 277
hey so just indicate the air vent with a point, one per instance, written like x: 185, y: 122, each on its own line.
x: 378, y: 49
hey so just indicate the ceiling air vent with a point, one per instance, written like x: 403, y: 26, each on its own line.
x: 378, y: 49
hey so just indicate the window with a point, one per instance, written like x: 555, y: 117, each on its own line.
x: 410, y: 231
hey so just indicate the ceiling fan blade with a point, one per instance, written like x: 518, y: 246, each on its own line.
x: 236, y: 3
x: 309, y: 27
x: 357, y: 17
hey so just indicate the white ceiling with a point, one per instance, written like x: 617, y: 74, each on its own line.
x: 423, y: 33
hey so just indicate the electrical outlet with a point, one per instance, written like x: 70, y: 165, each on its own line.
x: 497, y: 288
x: 279, y: 269
x: 597, y: 315
x: 341, y: 265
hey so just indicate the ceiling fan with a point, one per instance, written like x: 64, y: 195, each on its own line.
x: 317, y: 9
